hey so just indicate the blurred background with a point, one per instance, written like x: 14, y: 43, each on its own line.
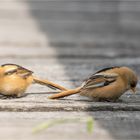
x: 67, y: 40
x: 88, y: 35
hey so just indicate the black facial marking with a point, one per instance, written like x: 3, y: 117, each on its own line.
x: 133, y: 84
x: 10, y: 72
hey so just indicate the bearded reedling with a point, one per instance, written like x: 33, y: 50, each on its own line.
x: 14, y: 80
x: 107, y: 84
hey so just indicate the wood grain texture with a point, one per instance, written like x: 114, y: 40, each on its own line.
x: 66, y: 41
x: 21, y: 125
x: 39, y: 102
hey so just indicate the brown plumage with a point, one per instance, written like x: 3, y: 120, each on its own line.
x: 14, y: 80
x: 106, y: 84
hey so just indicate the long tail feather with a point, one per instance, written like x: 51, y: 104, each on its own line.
x: 49, y: 84
x: 65, y: 93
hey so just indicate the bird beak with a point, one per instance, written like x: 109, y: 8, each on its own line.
x: 133, y: 90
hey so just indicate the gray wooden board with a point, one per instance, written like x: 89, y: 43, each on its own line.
x: 107, y: 125
x: 85, y: 51
x: 38, y: 101
x: 111, y: 120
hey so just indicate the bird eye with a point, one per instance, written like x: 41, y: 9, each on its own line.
x: 10, y: 72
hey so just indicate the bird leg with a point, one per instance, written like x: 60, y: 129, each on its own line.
x: 65, y: 93
x: 49, y: 84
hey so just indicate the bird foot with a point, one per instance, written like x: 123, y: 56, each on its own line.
x: 4, y: 97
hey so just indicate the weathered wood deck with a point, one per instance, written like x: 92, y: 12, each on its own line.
x: 66, y: 41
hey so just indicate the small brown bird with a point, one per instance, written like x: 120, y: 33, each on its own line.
x: 107, y: 84
x: 14, y: 80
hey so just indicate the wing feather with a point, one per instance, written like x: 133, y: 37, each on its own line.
x: 99, y: 80
x: 13, y: 68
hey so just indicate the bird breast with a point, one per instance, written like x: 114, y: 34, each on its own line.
x: 14, y: 85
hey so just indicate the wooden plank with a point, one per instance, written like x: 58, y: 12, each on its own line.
x: 73, y: 9
x: 67, y: 15
x: 107, y: 125
x: 93, y: 29
x: 38, y: 102
x: 91, y: 52
x: 64, y: 17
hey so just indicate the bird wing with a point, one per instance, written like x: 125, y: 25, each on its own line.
x: 24, y: 72
x: 99, y: 80
x: 13, y: 68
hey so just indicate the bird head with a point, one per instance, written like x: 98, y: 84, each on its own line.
x: 9, y: 69
x: 131, y: 78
